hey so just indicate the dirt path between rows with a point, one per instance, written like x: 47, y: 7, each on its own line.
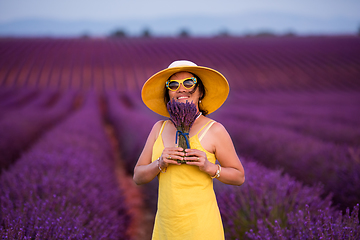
x: 142, y: 220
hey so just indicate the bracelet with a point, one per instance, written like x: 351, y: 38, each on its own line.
x: 160, y: 167
x: 217, y: 174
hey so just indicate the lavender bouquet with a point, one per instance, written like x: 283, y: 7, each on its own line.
x: 183, y: 115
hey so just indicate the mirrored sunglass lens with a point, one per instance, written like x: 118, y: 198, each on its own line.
x: 173, y: 85
x: 188, y: 83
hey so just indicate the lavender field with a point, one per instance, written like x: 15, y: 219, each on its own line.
x: 72, y: 125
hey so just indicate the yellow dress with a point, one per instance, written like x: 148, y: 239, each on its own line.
x: 187, y: 207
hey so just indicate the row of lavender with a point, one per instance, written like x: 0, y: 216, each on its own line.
x: 22, y: 125
x: 132, y: 124
x: 134, y: 137
x: 269, y: 205
x: 124, y: 64
x: 64, y: 185
x: 249, y: 64
x: 313, y: 137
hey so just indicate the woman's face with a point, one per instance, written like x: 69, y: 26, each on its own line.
x: 182, y: 94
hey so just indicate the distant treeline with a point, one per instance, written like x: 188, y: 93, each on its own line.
x: 184, y: 33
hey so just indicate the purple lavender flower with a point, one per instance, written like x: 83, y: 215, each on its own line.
x: 266, y: 194
x: 183, y: 116
x: 21, y: 127
x: 305, y: 224
x: 64, y: 186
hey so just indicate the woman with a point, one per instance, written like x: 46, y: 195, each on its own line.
x: 187, y: 207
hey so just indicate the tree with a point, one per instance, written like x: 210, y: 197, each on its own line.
x: 146, y: 33
x: 184, y: 33
x: 118, y: 33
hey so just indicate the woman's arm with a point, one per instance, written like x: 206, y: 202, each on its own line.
x: 145, y: 170
x: 232, y: 171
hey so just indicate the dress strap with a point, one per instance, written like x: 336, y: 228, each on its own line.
x: 208, y: 127
x: 162, y: 128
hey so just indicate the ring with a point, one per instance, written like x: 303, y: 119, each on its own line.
x: 198, y: 158
x: 169, y: 157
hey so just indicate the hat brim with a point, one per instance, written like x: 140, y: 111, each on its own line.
x: 216, y: 87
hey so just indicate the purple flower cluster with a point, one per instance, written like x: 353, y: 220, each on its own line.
x: 20, y: 127
x: 250, y: 64
x: 266, y: 127
x: 310, y: 114
x: 266, y: 194
x: 274, y: 206
x: 183, y: 115
x: 294, y: 105
x: 64, y: 186
x: 15, y: 98
x: 304, y: 224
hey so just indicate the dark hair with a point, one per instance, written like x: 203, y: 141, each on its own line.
x: 199, y: 85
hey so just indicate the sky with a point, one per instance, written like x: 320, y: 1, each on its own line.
x: 144, y: 9
x: 104, y: 10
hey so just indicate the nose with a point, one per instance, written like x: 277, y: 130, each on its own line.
x: 181, y: 88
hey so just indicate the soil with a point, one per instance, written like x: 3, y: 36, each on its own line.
x: 142, y: 219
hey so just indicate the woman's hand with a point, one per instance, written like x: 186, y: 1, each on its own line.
x: 170, y: 155
x: 198, y: 158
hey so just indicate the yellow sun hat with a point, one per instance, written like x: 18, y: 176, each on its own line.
x: 216, y: 87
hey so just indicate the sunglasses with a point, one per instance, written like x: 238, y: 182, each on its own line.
x: 174, y: 85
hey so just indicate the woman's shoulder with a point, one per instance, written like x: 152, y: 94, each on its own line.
x: 216, y: 126
x: 157, y: 128
x: 158, y: 125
